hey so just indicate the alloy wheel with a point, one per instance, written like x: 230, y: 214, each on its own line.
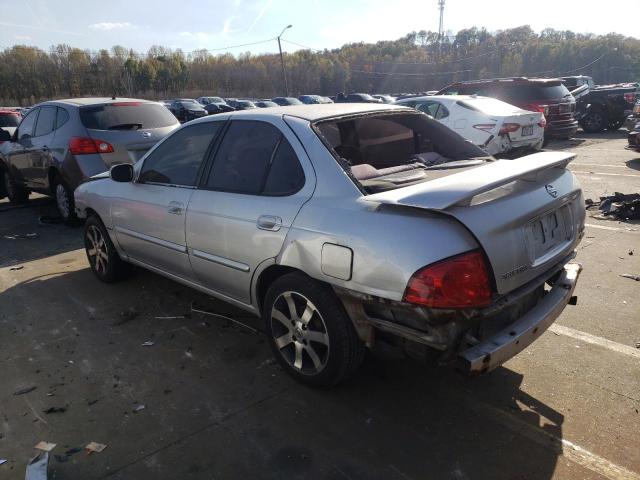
x: 97, y: 250
x: 62, y: 200
x: 595, y: 121
x: 301, y: 338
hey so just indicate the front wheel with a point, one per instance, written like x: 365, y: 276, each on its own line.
x: 310, y: 333
x: 594, y: 122
x: 16, y: 193
x: 103, y: 258
x: 615, y: 125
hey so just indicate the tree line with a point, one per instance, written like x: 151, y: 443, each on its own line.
x: 419, y: 61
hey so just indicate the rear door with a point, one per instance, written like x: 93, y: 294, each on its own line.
x: 149, y: 214
x: 239, y: 217
x: 131, y: 128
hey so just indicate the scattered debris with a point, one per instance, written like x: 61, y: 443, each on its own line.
x: 55, y: 410
x: 21, y: 236
x: 632, y: 277
x: 46, y: 220
x: 37, y: 467
x: 95, y: 447
x: 148, y: 343
x: 631, y: 252
x: 3, y: 460
x: 91, y: 402
x: 45, y: 446
x: 197, y: 310
x: 22, y: 391
x: 18, y: 267
x: 127, y: 315
x: 73, y: 451
x: 619, y: 205
x: 176, y: 317
x: 139, y: 408
x: 637, y: 344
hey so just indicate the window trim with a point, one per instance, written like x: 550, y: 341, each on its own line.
x: 33, y: 128
x: 40, y: 109
x: 211, y: 160
x: 200, y: 168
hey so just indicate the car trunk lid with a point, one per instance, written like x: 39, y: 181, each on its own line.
x: 128, y: 146
x: 526, y: 213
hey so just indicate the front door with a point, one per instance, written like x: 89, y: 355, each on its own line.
x: 41, y: 144
x: 149, y: 214
x: 239, y: 217
x: 19, y: 154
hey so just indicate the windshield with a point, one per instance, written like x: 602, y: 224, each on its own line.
x: 119, y: 115
x: 9, y: 120
x: 387, y: 151
x: 191, y: 105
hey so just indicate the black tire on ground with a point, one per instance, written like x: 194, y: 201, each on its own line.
x: 16, y: 193
x: 330, y: 350
x: 594, y: 122
x: 615, y: 125
x: 65, y: 201
x: 102, y: 255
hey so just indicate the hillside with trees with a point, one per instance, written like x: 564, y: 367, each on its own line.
x: 416, y: 62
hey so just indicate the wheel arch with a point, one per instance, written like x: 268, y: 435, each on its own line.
x: 266, y: 278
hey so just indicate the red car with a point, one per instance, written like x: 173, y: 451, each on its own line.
x: 9, y: 120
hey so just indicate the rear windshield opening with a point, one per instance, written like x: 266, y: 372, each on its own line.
x: 126, y: 116
x: 386, y: 151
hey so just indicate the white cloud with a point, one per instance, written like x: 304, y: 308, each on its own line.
x: 265, y: 7
x: 111, y: 25
x: 22, y: 38
x: 226, y: 29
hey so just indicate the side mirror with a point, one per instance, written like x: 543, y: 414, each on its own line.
x: 122, y: 173
x: 5, y: 136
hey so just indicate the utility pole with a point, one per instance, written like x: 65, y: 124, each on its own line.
x: 441, y: 26
x: 284, y: 72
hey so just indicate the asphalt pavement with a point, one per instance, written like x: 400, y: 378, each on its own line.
x: 177, y: 394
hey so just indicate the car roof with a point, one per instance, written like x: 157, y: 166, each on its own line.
x: 94, y: 101
x: 450, y: 98
x: 507, y: 81
x: 317, y: 112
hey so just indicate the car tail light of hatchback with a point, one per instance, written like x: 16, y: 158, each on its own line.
x: 509, y: 128
x: 485, y: 127
x: 457, y: 282
x: 86, y: 146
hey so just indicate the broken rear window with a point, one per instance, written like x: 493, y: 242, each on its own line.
x: 387, y: 151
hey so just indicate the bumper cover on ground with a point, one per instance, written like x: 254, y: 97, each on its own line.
x: 494, y: 351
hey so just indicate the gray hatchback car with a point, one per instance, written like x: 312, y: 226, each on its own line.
x: 345, y: 224
x: 59, y: 144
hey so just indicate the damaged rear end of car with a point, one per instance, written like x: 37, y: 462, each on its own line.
x: 480, y: 307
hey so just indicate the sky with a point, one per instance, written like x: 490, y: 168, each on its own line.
x: 217, y: 24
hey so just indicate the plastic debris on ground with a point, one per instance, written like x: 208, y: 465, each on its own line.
x: 630, y: 276
x: 148, y: 343
x: 45, y: 446
x: 22, y: 391
x: 3, y: 460
x: 95, y: 447
x: 139, y: 408
x: 55, y: 410
x: 37, y: 467
x: 619, y: 206
x: 21, y: 236
x: 19, y: 267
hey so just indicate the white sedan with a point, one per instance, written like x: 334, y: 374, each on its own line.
x: 493, y: 125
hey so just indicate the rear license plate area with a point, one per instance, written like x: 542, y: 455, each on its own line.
x: 548, y: 234
x: 527, y: 130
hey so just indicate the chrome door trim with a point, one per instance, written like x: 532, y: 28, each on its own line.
x: 243, y: 267
x: 148, y: 238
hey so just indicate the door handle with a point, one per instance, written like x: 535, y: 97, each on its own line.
x: 269, y: 222
x: 175, y: 208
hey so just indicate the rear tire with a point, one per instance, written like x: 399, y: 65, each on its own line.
x: 65, y: 201
x: 16, y: 193
x: 613, y: 126
x: 102, y: 255
x: 309, y: 331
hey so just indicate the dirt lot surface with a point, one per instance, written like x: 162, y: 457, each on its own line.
x: 216, y: 406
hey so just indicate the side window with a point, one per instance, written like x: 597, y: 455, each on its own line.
x: 25, y: 130
x: 430, y: 108
x: 243, y: 159
x: 442, y: 112
x: 285, y: 175
x: 46, y: 121
x: 62, y: 117
x: 177, y: 160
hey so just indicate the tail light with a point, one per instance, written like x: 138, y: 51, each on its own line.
x: 485, y: 127
x: 457, y: 282
x: 86, y: 146
x: 537, y: 107
x: 630, y: 97
x: 543, y: 122
x: 509, y: 128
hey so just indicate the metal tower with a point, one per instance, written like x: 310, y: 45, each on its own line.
x: 440, y: 27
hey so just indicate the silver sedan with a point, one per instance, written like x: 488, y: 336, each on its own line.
x: 346, y: 224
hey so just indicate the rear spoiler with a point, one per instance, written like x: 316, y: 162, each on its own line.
x: 460, y: 188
